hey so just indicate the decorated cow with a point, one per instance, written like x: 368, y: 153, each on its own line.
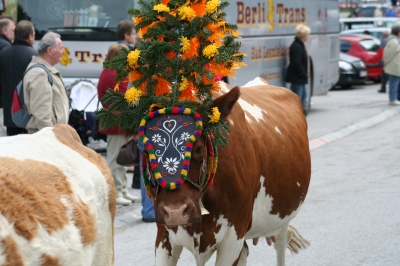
x: 260, y: 182
x: 222, y: 164
x: 57, y: 201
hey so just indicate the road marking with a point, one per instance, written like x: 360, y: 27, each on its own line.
x: 346, y: 131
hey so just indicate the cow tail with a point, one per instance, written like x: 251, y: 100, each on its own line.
x: 296, y: 241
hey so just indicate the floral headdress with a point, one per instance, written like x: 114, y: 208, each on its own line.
x: 185, y: 45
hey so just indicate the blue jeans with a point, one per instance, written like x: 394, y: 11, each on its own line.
x: 147, y: 203
x: 300, y: 90
x: 394, y: 82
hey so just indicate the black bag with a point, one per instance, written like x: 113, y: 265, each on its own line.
x: 77, y: 119
x: 129, y: 154
x: 96, y: 135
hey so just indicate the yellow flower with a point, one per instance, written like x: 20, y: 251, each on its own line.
x: 211, y: 6
x: 161, y: 8
x: 185, y: 43
x: 210, y: 51
x: 186, y: 12
x: 214, y: 118
x: 183, y: 84
x: 116, y: 88
x: 133, y: 57
x: 133, y: 95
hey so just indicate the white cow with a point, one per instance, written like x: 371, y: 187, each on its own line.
x: 57, y: 201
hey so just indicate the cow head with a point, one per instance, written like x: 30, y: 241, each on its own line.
x: 177, y: 151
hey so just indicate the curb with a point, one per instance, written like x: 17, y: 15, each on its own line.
x: 350, y: 129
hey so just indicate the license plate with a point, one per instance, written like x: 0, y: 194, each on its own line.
x: 363, y: 73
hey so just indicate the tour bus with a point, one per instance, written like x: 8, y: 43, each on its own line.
x: 267, y: 27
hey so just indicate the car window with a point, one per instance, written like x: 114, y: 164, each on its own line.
x: 345, y: 46
x: 369, y: 45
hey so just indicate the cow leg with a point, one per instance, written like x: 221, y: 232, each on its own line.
x: 242, y: 260
x: 168, y: 256
x: 281, y: 245
x: 230, y: 250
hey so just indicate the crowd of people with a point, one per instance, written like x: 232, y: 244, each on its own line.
x: 48, y: 103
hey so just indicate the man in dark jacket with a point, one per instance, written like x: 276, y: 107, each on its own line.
x: 13, y: 63
x: 7, y: 27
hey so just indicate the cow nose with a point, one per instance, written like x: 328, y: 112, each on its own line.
x: 176, y: 215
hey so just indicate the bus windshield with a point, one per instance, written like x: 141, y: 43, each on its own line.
x: 92, y: 20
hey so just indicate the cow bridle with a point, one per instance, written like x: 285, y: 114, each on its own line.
x: 203, y: 168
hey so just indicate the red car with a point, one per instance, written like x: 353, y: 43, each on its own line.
x: 366, y: 48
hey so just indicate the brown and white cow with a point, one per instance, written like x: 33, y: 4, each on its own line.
x: 261, y: 181
x: 57, y: 201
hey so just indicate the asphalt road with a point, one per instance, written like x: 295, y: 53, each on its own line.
x: 351, y: 214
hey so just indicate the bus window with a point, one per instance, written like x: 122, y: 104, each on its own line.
x: 76, y: 19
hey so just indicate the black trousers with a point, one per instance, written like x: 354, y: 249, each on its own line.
x: 12, y: 131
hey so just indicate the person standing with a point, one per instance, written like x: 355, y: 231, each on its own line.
x: 115, y: 137
x: 48, y: 105
x: 297, y: 71
x: 391, y: 63
x: 126, y: 33
x: 384, y: 77
x: 7, y: 27
x: 13, y: 63
x: 378, y: 12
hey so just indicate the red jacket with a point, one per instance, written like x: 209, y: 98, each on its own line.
x: 106, y: 81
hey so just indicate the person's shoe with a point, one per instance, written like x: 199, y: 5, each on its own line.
x: 123, y: 201
x: 394, y: 103
x: 128, y: 196
x: 148, y: 220
x: 381, y: 91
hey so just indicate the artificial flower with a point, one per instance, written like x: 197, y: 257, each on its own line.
x: 133, y: 95
x: 162, y: 86
x: 133, y: 57
x: 199, y: 8
x: 194, y: 46
x: 214, y: 118
x: 186, y: 12
x: 212, y: 6
x: 210, y: 51
x: 183, y: 85
x: 185, y: 44
x: 161, y: 8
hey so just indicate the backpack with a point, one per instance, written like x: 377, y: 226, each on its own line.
x: 19, y: 111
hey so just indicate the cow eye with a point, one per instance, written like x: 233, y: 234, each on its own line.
x: 199, y: 150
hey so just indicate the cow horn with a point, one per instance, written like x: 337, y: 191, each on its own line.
x: 203, y: 210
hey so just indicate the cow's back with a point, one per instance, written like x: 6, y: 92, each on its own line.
x: 57, y: 201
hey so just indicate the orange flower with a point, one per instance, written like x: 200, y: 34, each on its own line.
x: 194, y: 46
x: 162, y: 86
x: 170, y: 55
x: 189, y: 93
x: 165, y: 2
x: 133, y: 76
x: 220, y: 69
x: 200, y: 8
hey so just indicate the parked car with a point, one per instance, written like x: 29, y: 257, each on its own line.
x: 376, y: 32
x: 366, y: 48
x: 365, y: 23
x: 367, y: 10
x: 352, y: 71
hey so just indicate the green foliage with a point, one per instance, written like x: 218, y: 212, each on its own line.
x: 161, y: 59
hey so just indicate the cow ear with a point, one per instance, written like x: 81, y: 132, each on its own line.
x: 225, y: 102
